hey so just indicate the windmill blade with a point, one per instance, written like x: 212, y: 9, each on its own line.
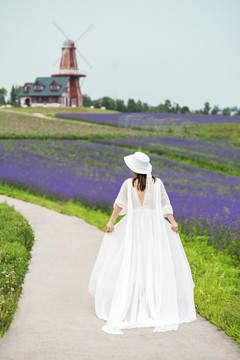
x: 56, y: 62
x: 61, y: 31
x: 84, y: 59
x: 82, y: 82
x: 83, y: 33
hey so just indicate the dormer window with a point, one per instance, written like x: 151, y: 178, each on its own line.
x: 38, y: 86
x: 27, y: 87
x: 54, y: 86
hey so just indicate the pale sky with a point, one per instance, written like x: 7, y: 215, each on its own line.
x: 187, y: 51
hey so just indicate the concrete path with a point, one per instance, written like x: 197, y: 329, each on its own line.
x: 56, y: 317
x: 39, y: 115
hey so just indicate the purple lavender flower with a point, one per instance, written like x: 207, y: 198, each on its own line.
x: 150, y: 119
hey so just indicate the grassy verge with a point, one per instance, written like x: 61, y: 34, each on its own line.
x: 75, y: 208
x: 16, y: 240
x: 217, y: 287
x: 216, y: 278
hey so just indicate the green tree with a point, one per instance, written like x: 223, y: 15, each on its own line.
x: 176, y: 108
x: 215, y: 110
x: 226, y: 111
x: 233, y: 109
x: 131, y: 105
x: 14, y: 95
x: 145, y: 107
x: 106, y: 102
x: 237, y: 113
x: 185, y: 110
x: 139, y: 106
x: 120, y: 105
x: 3, y: 94
x: 164, y: 108
x: 206, y: 108
x: 87, y: 101
x: 18, y: 90
x: 168, y: 106
x: 198, y: 112
x: 96, y: 103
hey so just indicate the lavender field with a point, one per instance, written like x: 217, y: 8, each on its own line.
x: 224, y: 152
x: 150, y: 119
x: 206, y: 203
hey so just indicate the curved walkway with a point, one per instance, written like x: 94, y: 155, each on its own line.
x: 39, y: 115
x: 56, y: 317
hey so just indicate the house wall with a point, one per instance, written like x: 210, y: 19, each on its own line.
x: 23, y: 100
x: 65, y: 95
x: 75, y: 93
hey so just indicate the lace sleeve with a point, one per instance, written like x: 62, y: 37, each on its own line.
x: 121, y: 199
x: 166, y: 205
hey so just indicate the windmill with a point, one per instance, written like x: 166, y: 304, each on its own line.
x: 69, y: 67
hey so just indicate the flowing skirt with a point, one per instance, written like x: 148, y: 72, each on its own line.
x: 160, y: 287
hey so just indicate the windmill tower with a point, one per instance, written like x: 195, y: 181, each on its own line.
x: 69, y: 68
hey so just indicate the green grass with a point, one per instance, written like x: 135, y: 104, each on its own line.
x: 20, y: 126
x: 217, y: 290
x: 16, y: 241
x: 227, y: 131
x: 214, y: 273
x: 52, y: 111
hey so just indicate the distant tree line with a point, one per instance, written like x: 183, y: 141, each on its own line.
x: 130, y: 106
x: 13, y: 96
x: 167, y: 107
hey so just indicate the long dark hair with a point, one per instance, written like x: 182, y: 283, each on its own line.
x: 141, y: 185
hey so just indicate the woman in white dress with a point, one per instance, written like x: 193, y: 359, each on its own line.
x: 141, y: 277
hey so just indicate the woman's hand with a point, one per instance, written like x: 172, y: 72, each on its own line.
x: 110, y: 227
x: 113, y: 218
x: 174, y: 226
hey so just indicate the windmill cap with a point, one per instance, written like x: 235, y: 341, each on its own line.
x: 68, y: 43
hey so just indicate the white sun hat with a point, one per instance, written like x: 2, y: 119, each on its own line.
x: 140, y: 164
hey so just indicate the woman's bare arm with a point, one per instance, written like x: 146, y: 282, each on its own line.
x: 113, y: 218
x: 173, y: 222
x: 170, y: 218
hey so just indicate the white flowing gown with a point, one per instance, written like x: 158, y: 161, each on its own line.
x: 141, y: 277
